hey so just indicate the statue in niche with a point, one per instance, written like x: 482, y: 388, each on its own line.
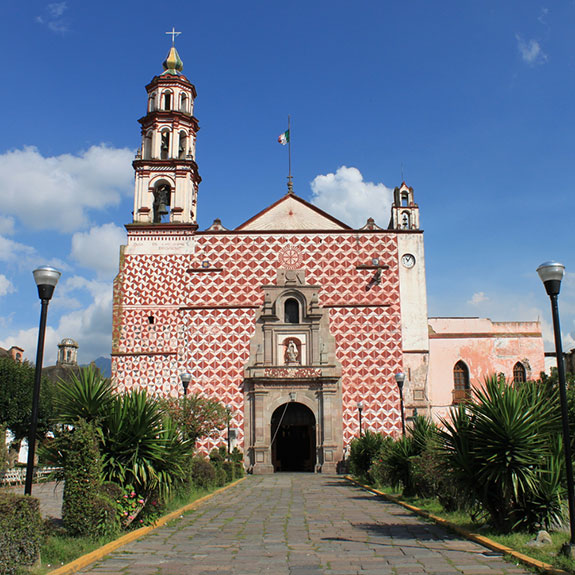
x: 292, y: 353
x: 161, y: 202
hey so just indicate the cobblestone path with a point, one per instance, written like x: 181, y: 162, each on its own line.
x: 300, y: 524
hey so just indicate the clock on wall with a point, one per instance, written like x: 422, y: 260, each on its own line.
x: 408, y: 260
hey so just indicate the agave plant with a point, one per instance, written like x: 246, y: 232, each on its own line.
x: 139, y: 442
x: 501, y: 449
x: 86, y: 395
x: 141, y: 445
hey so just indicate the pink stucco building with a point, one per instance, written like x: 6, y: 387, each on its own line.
x: 463, y: 351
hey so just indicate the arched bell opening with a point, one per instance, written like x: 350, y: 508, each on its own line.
x: 293, y: 438
x: 161, y: 205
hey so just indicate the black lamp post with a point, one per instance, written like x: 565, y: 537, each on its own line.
x: 46, y: 279
x: 229, y: 412
x: 400, y: 379
x: 551, y: 274
x: 359, y: 410
x: 185, y: 378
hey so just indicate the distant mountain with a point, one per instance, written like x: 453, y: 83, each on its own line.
x: 105, y: 365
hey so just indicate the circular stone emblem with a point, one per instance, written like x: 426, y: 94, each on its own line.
x: 290, y: 258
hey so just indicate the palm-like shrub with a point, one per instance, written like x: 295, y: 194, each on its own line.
x: 401, y: 461
x: 502, y: 451
x: 86, y: 395
x: 140, y: 444
x: 363, y: 451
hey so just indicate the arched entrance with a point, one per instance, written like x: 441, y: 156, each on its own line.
x: 293, y: 435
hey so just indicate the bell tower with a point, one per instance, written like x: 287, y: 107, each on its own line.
x: 167, y: 176
x: 404, y: 210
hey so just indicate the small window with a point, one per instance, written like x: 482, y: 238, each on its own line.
x: 461, y: 386
x: 460, y: 376
x: 519, y: 373
x: 152, y: 103
x: 167, y: 100
x: 148, y: 146
x: 183, y: 103
x: 183, y: 144
x: 165, y: 145
x: 291, y: 308
x: 405, y: 199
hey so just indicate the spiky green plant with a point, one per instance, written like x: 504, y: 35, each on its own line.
x: 140, y: 444
x: 499, y: 448
x: 85, y: 395
x: 363, y: 451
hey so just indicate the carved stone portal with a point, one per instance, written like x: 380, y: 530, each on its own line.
x: 293, y: 403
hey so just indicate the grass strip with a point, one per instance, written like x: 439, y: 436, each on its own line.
x: 481, y: 539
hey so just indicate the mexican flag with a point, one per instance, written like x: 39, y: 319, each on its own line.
x: 284, y: 138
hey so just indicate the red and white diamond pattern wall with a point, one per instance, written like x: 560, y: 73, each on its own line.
x: 195, y: 312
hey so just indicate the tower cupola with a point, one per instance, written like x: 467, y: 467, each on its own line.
x: 404, y: 210
x: 167, y: 177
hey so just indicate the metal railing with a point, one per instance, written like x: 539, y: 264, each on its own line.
x: 17, y: 475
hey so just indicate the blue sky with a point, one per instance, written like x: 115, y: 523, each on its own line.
x: 471, y: 102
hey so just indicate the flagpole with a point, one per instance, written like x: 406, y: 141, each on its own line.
x: 290, y: 185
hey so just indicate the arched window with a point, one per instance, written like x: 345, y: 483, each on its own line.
x: 519, y: 373
x: 183, y: 103
x: 291, y: 309
x: 167, y: 100
x: 148, y: 146
x: 161, y: 205
x: 183, y: 144
x: 404, y: 199
x: 165, y: 145
x: 152, y: 103
x: 461, y: 386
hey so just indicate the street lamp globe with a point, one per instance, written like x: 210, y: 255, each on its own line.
x: 400, y: 379
x: 46, y: 278
x: 185, y: 378
x: 551, y: 274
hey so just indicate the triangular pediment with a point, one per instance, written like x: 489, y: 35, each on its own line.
x: 292, y: 213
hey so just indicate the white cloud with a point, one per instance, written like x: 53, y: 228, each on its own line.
x: 27, y: 339
x: 56, y: 9
x: 57, y: 192
x: 54, y: 20
x: 477, y: 298
x: 99, y: 249
x: 349, y: 198
x: 530, y: 51
x: 6, y: 286
x: 6, y: 226
x: 11, y: 251
x: 90, y: 325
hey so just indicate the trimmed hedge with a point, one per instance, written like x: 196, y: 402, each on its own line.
x: 88, y: 510
x: 21, y: 531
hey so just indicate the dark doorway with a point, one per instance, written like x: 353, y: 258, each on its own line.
x: 293, y: 434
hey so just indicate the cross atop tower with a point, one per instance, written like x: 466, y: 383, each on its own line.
x: 173, y: 34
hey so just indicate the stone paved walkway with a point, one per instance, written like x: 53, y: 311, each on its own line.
x: 300, y: 524
x: 48, y: 493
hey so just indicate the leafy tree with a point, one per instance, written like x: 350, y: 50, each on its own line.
x: 196, y: 416
x: 16, y: 388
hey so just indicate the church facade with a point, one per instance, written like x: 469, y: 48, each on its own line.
x: 294, y: 320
